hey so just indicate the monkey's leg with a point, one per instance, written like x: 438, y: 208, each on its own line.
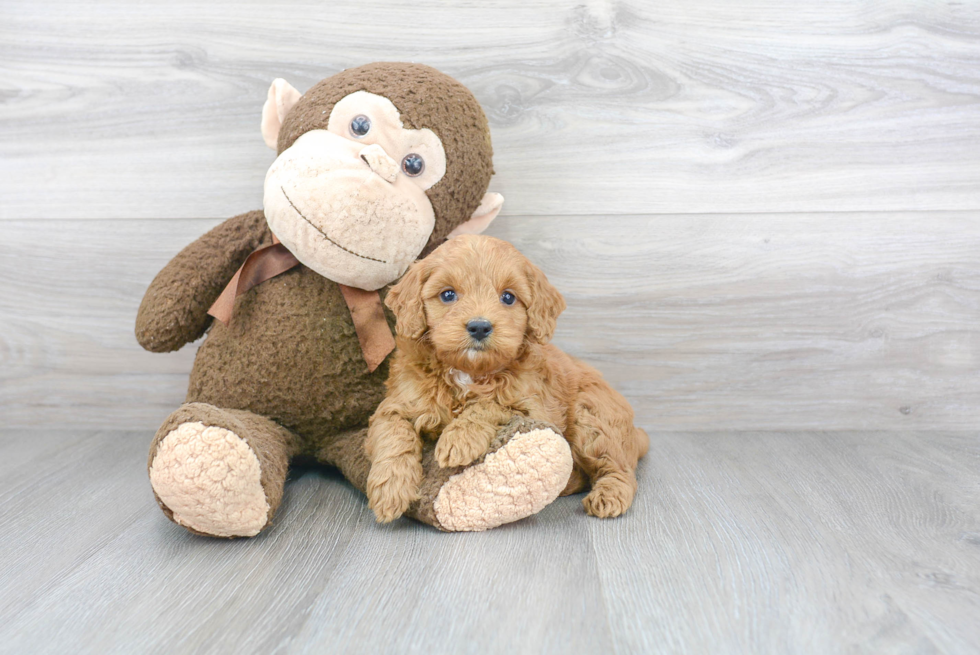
x: 526, y: 468
x: 220, y: 472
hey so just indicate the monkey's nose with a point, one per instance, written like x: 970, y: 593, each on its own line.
x: 379, y: 162
x: 479, y: 328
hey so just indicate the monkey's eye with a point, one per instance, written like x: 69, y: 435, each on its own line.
x: 508, y: 298
x: 413, y: 165
x: 360, y: 126
x: 448, y: 296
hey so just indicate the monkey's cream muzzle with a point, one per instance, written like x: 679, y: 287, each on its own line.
x: 344, y: 210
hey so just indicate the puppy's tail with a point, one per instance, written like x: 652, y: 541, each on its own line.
x: 643, y: 440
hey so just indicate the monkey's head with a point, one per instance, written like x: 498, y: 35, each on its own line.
x: 376, y: 166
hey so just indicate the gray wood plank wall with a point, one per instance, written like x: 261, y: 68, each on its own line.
x: 764, y: 215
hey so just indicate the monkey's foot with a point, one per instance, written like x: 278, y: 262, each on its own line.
x: 208, y: 480
x: 522, y: 474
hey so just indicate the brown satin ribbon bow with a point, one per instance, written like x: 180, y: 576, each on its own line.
x: 365, y: 306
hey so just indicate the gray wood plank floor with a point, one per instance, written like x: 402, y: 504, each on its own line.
x: 764, y: 542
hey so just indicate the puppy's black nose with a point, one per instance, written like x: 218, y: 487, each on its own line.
x: 479, y: 328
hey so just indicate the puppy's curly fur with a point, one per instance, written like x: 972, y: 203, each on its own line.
x: 447, y: 384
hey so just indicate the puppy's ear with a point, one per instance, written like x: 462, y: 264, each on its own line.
x: 405, y: 300
x: 544, y: 307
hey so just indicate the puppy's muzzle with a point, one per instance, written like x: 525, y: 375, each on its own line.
x: 479, y: 329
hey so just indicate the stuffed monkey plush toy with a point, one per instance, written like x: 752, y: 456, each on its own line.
x: 376, y: 167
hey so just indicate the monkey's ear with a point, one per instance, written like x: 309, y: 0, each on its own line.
x: 545, y: 305
x: 405, y: 300
x: 282, y: 96
x: 482, y: 217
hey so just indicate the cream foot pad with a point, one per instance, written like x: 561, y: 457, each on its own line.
x: 518, y: 480
x: 211, y: 480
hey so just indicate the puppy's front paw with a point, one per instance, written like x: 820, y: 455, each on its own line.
x: 609, y: 498
x: 461, y: 443
x: 392, y: 486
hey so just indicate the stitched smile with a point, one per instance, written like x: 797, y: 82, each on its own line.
x: 324, y: 234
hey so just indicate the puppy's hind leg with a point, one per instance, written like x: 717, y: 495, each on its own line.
x: 606, y: 447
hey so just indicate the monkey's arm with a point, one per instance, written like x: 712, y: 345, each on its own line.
x: 175, y: 307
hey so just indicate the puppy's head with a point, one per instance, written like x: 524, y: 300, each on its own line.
x: 476, y: 301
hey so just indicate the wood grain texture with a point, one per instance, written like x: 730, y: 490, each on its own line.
x: 790, y: 543
x: 784, y: 322
x: 738, y: 543
x: 765, y: 218
x: 630, y: 107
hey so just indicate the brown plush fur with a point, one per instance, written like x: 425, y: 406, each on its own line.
x: 515, y: 371
x: 174, y: 310
x: 424, y: 97
x: 290, y: 354
x: 290, y: 357
x: 272, y: 444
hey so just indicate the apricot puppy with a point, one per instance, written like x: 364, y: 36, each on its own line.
x: 474, y: 321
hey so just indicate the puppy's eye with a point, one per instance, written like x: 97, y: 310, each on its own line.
x: 413, y: 165
x: 448, y: 296
x: 508, y: 298
x: 360, y: 126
